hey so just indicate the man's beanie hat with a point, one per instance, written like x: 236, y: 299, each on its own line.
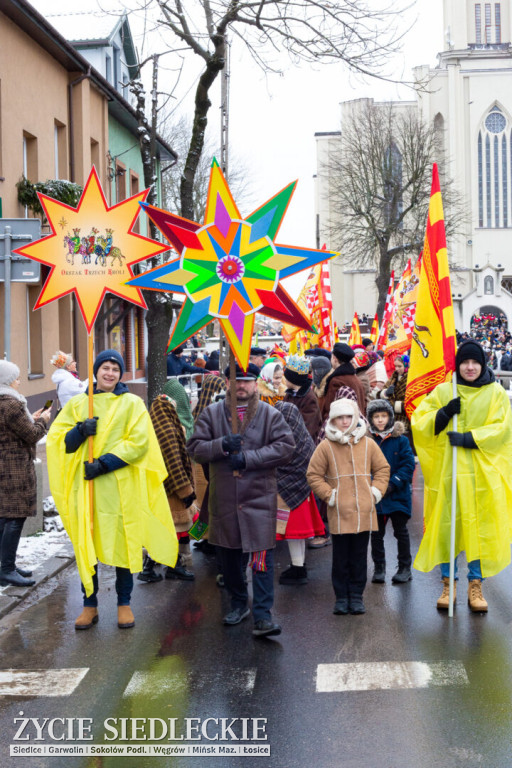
x: 9, y: 372
x: 297, y: 370
x: 108, y: 356
x: 250, y: 374
x: 343, y: 352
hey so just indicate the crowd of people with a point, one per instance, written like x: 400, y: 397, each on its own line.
x: 312, y: 449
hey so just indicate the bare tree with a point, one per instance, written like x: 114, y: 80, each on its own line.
x: 379, y: 184
x: 361, y: 33
x: 177, y: 134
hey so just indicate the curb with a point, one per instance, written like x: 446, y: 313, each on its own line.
x: 12, y: 597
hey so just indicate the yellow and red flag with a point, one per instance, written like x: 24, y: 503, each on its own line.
x: 433, y: 348
x: 355, y: 333
x: 374, y: 333
x: 388, y: 308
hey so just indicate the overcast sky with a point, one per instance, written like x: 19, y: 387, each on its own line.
x: 273, y: 118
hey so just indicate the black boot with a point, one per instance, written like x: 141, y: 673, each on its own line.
x: 379, y: 574
x: 356, y: 605
x: 148, y: 573
x: 295, y: 574
x: 179, y: 571
x: 23, y: 572
x: 402, y: 576
x: 13, y: 579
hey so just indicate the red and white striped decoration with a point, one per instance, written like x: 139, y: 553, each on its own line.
x: 388, y: 309
x: 325, y: 279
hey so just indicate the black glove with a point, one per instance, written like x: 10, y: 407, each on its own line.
x: 446, y: 413
x: 93, y: 469
x: 390, y: 391
x: 88, y: 427
x: 189, y: 499
x: 236, y: 461
x: 231, y: 443
x: 462, y: 439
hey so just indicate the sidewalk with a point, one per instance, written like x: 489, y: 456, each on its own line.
x: 45, y: 553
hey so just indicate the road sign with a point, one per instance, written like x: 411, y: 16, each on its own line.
x: 23, y: 231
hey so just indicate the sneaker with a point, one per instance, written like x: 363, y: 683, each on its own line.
x: 402, y: 576
x: 236, y: 616
x: 265, y: 628
x: 476, y: 600
x: 444, y: 601
x: 379, y: 574
x: 341, y: 607
x: 295, y: 574
x: 318, y: 542
x: 356, y: 605
x: 14, y: 579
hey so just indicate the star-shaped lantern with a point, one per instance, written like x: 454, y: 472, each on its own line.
x: 91, y: 249
x: 229, y: 267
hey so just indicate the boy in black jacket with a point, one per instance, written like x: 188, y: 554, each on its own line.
x: 397, y: 501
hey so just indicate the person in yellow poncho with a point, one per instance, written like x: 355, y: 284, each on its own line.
x: 484, y: 477
x: 130, y: 507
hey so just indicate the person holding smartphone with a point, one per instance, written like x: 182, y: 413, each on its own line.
x: 65, y: 377
x: 19, y: 433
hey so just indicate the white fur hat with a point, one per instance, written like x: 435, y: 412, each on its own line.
x: 9, y: 372
x: 343, y: 407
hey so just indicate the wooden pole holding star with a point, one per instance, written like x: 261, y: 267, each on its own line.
x: 90, y: 252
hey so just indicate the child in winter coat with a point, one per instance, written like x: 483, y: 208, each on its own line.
x: 349, y: 472
x: 397, y: 502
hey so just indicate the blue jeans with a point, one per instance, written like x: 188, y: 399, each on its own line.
x: 124, y: 587
x: 474, y: 570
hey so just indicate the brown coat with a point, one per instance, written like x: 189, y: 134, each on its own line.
x: 340, y: 380
x: 307, y: 403
x: 243, y: 509
x: 351, y: 469
x: 18, y: 438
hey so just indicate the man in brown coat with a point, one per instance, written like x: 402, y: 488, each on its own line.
x: 243, y: 506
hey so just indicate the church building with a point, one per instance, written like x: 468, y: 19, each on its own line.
x: 469, y: 99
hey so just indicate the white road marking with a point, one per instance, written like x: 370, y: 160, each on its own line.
x: 40, y: 682
x: 152, y: 684
x: 384, y: 675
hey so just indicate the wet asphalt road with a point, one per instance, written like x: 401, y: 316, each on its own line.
x: 180, y: 662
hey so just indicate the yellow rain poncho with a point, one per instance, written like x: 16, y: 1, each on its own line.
x: 130, y: 504
x: 484, y: 478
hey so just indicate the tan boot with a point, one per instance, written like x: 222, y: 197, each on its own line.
x: 476, y: 600
x: 87, y: 618
x: 444, y: 601
x: 125, y: 617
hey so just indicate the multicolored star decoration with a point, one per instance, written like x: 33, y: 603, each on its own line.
x: 93, y: 252
x: 229, y: 268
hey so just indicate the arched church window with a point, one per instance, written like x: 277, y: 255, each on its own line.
x: 494, y: 170
x: 489, y: 285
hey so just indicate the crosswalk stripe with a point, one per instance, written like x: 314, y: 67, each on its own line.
x: 40, y: 682
x: 387, y: 675
x: 153, y: 683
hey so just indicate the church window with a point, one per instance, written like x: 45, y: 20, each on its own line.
x: 480, y: 183
x: 478, y: 23
x: 494, y: 170
x: 504, y: 179
x: 487, y: 23
x: 497, y: 21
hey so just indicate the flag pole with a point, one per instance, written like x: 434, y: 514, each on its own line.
x: 91, y: 415
x: 454, y: 509
x: 232, y: 391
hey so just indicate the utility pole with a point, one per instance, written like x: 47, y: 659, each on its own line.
x: 224, y: 153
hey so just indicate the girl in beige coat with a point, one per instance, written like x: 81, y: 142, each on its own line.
x: 349, y: 472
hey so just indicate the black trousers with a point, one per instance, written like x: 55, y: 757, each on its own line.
x: 233, y: 563
x: 10, y: 533
x: 349, y: 563
x: 399, y: 522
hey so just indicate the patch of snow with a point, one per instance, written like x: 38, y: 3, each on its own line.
x: 34, y: 550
